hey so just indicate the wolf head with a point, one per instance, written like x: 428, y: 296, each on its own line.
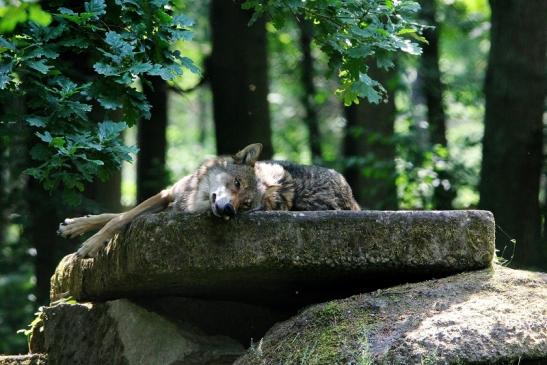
x: 232, y: 183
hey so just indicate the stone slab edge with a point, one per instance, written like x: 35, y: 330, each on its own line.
x: 184, y: 254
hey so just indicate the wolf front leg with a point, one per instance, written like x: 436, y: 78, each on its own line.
x: 72, y: 227
x: 93, y: 244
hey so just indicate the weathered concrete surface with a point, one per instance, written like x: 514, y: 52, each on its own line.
x: 490, y: 316
x: 122, y: 333
x: 279, y: 255
x: 33, y: 359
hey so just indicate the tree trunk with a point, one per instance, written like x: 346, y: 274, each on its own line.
x: 239, y: 79
x: 311, y: 119
x: 544, y: 218
x: 40, y: 232
x: 430, y: 76
x: 107, y: 195
x: 152, y: 175
x: 4, y: 166
x: 512, y: 144
x: 369, y: 147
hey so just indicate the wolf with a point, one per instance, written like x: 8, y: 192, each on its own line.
x: 227, y: 185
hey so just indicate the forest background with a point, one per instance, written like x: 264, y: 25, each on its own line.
x: 457, y: 124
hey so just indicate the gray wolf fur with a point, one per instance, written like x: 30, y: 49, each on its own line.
x: 227, y: 185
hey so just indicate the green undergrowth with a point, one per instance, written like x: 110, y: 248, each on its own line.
x: 37, y: 322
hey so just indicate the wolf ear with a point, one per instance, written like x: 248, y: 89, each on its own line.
x: 248, y: 155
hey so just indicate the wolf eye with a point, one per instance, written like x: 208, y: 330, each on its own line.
x: 237, y: 183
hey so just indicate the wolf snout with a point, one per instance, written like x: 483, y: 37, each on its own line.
x: 224, y: 208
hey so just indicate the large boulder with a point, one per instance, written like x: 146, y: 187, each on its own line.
x: 123, y: 333
x: 490, y: 316
x: 279, y: 257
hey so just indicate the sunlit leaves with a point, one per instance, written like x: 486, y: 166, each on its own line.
x: 45, y: 62
x: 11, y: 16
x: 349, y: 32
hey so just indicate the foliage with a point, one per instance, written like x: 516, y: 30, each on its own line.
x: 37, y: 321
x: 350, y: 32
x: 16, y: 288
x: 78, y: 117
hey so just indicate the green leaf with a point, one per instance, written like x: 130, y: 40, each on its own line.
x: 96, y: 7
x: 110, y: 130
x: 361, y: 51
x: 79, y: 109
x: 189, y: 64
x: 4, y: 81
x: 408, y: 7
x: 34, y: 172
x: 46, y: 136
x: 384, y: 62
x: 58, y: 142
x: 66, y: 11
x: 109, y: 103
x: 159, y: 3
x: 183, y: 21
x: 141, y: 67
x: 180, y: 34
x: 76, y: 42
x: 6, y: 44
x: 105, y: 69
x: 166, y: 72
x: 38, y: 52
x: 368, y: 88
x: 122, y: 47
x: 411, y: 48
x: 71, y: 16
x: 164, y: 18
x: 5, y: 71
x: 36, y: 121
x: 406, y: 31
x: 39, y: 66
x: 12, y: 17
x: 39, y: 16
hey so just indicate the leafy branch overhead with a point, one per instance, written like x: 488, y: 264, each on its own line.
x: 75, y: 69
x: 349, y: 32
x: 114, y: 43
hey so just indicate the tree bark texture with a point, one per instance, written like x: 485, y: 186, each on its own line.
x: 239, y: 79
x: 152, y: 175
x: 433, y: 88
x: 311, y: 118
x: 513, y: 143
x: 369, y: 147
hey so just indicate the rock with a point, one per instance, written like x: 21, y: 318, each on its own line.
x: 490, y: 316
x: 243, y: 322
x: 279, y: 257
x: 32, y: 359
x: 121, y: 332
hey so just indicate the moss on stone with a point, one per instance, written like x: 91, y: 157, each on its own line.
x: 323, y: 339
x: 483, y: 317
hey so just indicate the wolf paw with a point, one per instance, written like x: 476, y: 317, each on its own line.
x: 72, y: 227
x: 92, y: 246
